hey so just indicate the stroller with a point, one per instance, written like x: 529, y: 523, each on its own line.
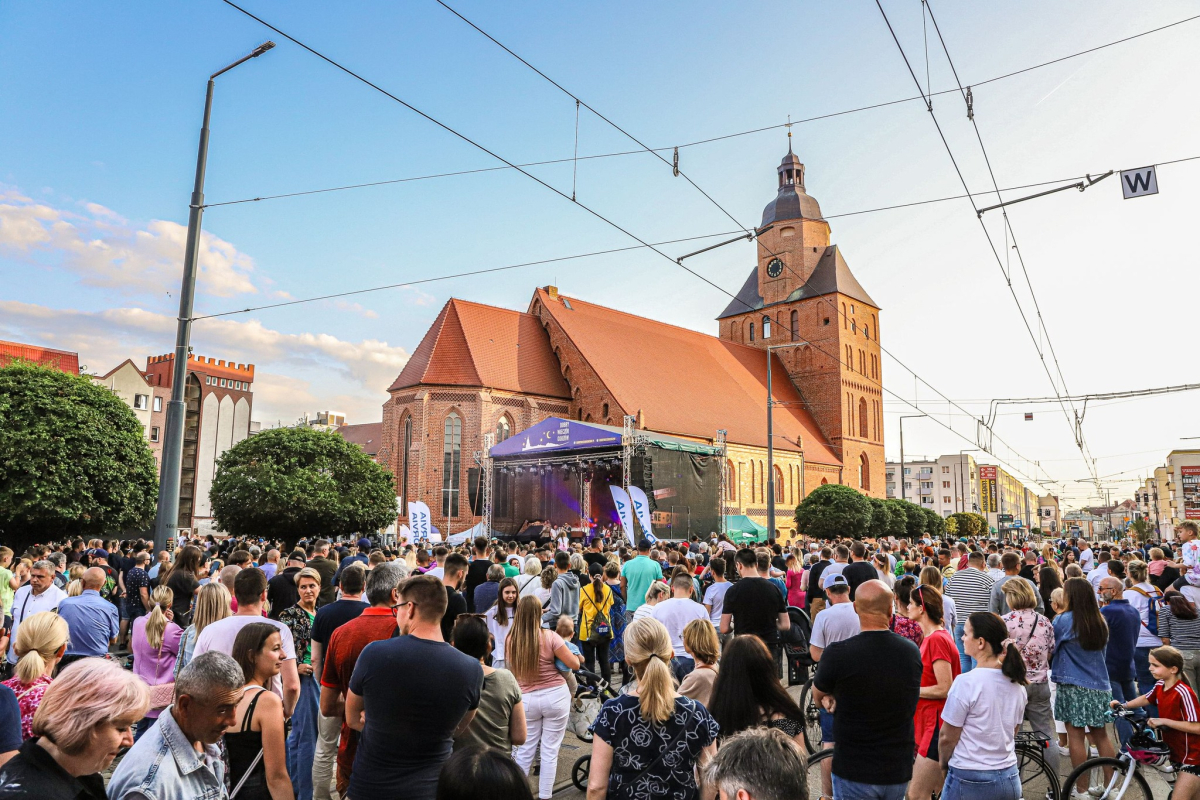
x: 593, y: 692
x: 795, y: 646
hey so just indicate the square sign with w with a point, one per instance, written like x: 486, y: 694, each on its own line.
x: 1138, y: 182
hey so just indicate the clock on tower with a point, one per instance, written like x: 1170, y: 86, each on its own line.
x: 775, y: 268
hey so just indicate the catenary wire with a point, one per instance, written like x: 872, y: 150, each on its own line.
x: 614, y: 225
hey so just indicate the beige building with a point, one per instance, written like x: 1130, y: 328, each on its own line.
x: 129, y: 383
x: 1049, y: 514
x: 1183, y: 489
x: 948, y: 484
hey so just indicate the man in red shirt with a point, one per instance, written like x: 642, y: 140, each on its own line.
x: 347, y: 643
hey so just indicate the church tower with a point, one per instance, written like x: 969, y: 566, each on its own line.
x: 802, y: 295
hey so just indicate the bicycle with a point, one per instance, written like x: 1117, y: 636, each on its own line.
x: 812, y: 718
x: 1038, y: 781
x: 1145, y: 749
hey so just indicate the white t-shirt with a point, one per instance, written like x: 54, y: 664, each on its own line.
x: 1142, y: 604
x: 1189, y: 554
x: 499, y: 632
x: 221, y: 634
x: 834, y: 568
x: 1098, y: 574
x: 644, y: 610
x: 715, y: 597
x: 835, y: 623
x: 1086, y: 560
x: 988, y: 707
x: 437, y: 572
x: 675, y: 614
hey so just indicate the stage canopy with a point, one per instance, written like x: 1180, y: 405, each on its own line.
x: 742, y: 530
x: 556, y: 435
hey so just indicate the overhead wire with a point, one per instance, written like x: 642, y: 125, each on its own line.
x: 616, y: 226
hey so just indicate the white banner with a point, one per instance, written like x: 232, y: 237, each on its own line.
x: 642, y: 509
x: 622, y: 502
x: 419, y: 521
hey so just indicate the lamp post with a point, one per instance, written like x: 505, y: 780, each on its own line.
x: 167, y: 520
x: 910, y: 416
x: 771, y: 443
x: 963, y: 477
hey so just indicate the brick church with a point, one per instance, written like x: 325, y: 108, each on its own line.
x: 482, y: 369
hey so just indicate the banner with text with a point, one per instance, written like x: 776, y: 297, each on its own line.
x: 642, y: 508
x: 622, y: 502
x: 987, y: 490
x: 419, y: 520
x: 1191, y: 492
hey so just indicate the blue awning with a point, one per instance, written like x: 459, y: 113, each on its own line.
x: 557, y: 435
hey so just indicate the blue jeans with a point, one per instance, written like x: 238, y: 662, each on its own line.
x: 826, y: 726
x: 965, y: 661
x: 1145, y: 681
x: 302, y: 742
x: 982, y: 784
x: 853, y: 790
x: 682, y: 666
x: 1123, y: 692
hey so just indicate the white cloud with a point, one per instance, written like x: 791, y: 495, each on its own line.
x: 356, y: 308
x: 105, y: 250
x: 294, y: 372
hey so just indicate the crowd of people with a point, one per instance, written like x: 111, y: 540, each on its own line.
x: 242, y: 669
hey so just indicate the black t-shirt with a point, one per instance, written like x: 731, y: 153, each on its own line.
x: 779, y: 563
x: 595, y: 558
x: 1165, y: 579
x: 455, y: 604
x: 1028, y: 572
x: 476, y: 574
x: 815, y: 591
x: 755, y: 604
x: 875, y: 678
x: 333, y: 616
x: 857, y: 574
x: 183, y: 585
x: 282, y: 592
x: 410, y: 722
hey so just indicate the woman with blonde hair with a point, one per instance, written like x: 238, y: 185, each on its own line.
x: 41, y: 642
x: 529, y: 655
x: 701, y: 643
x: 155, y: 644
x: 83, y: 721
x: 653, y: 735
x: 213, y: 603
x: 657, y: 592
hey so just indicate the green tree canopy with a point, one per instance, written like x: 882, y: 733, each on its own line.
x: 293, y: 483
x: 886, y: 520
x: 73, y: 459
x: 913, y: 515
x: 935, y: 525
x: 834, y: 510
x: 968, y: 524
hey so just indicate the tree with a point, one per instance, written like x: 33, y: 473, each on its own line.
x: 951, y: 526
x: 934, y: 524
x: 882, y: 518
x: 73, y: 459
x: 967, y: 524
x: 293, y: 483
x: 1142, y: 530
x: 834, y: 510
x: 913, y: 516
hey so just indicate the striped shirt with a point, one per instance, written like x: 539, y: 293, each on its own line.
x: 972, y: 591
x: 1183, y: 633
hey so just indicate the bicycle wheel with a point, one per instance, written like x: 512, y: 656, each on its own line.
x: 812, y: 719
x: 814, y: 774
x: 579, y: 772
x: 1122, y: 785
x: 1038, y: 781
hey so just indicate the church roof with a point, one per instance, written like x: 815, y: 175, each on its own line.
x: 831, y: 275
x: 471, y: 344
x: 688, y: 383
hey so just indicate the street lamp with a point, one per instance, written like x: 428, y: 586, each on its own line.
x: 771, y: 443
x: 167, y: 520
x: 910, y: 416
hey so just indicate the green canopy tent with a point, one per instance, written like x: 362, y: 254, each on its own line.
x: 743, y: 530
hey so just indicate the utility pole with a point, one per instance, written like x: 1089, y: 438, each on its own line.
x: 910, y: 416
x: 771, y: 444
x: 166, y: 522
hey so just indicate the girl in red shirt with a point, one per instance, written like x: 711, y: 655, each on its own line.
x: 1179, y: 720
x: 940, y: 666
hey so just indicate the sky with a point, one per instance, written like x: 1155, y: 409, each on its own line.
x: 102, y: 113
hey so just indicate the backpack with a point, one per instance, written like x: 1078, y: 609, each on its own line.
x: 1153, y: 599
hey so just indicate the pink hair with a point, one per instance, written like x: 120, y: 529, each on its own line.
x: 88, y: 693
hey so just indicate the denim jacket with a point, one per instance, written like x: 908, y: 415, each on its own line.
x: 163, y: 765
x: 1074, y: 665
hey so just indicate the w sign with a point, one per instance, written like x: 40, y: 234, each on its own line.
x: 1138, y: 182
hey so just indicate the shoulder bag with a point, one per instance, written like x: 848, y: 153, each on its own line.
x: 601, y: 627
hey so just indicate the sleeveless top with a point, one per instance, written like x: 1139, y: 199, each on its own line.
x: 242, y: 748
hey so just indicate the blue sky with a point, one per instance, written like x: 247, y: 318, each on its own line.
x: 103, y: 102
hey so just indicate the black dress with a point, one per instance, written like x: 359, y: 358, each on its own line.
x: 33, y: 773
x: 242, y: 748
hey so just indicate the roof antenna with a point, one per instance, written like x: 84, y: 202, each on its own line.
x: 789, y: 127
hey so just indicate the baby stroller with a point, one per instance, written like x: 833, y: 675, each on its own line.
x: 593, y: 692
x: 795, y: 646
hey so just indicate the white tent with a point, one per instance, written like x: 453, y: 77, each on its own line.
x: 470, y: 533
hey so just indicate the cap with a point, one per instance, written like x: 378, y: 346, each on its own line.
x: 836, y: 579
x: 100, y: 552
x: 298, y: 555
x: 645, y: 544
x: 364, y: 543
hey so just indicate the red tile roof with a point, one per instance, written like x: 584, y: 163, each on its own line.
x: 62, y: 360
x: 470, y: 344
x: 367, y: 436
x: 688, y: 383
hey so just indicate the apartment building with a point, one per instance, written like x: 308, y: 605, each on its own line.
x: 947, y: 484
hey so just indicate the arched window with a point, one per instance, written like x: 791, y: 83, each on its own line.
x: 862, y: 417
x: 405, y: 450
x: 806, y: 358
x: 845, y: 319
x: 849, y: 357
x: 753, y: 483
x: 730, y: 483
x: 503, y: 429
x: 752, y: 331
x: 862, y: 362
x: 779, y: 485
x: 766, y: 327
x: 605, y: 412
x: 864, y: 473
x: 795, y: 326
x: 824, y: 481
x: 451, y: 464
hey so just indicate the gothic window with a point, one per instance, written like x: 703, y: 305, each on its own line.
x: 862, y: 362
x: 753, y: 484
x: 864, y: 473
x: 779, y: 485
x: 806, y: 358
x: 451, y: 464
x: 605, y: 412
x: 849, y: 357
x: 795, y: 326
x: 862, y: 417
x: 766, y: 327
x: 730, y: 483
x: 752, y: 331
x: 405, y: 451
x: 845, y: 319
x: 867, y: 331
x: 503, y: 429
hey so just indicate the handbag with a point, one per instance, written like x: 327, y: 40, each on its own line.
x: 161, y: 694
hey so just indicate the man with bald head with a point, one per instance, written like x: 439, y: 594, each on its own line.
x: 871, y: 682
x: 1124, y: 625
x: 92, y: 621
